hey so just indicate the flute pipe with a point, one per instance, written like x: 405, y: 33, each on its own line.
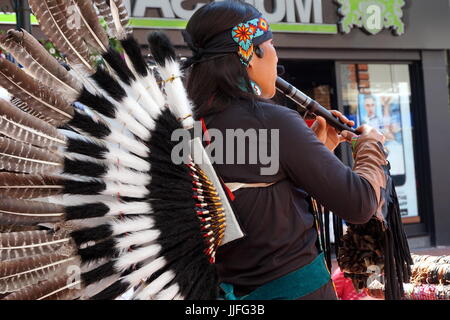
x: 310, y: 105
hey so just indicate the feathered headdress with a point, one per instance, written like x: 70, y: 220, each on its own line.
x: 85, y: 165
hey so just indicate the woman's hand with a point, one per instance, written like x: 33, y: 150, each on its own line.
x: 328, y: 134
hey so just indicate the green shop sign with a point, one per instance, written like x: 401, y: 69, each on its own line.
x: 164, y: 23
x: 296, y: 16
x: 371, y: 15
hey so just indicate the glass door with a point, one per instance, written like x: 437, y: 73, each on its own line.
x: 379, y: 94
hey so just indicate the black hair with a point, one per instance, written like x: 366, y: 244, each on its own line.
x: 215, y: 83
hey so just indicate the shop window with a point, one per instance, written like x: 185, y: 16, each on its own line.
x: 380, y: 95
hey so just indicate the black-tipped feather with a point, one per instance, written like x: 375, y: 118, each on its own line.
x: 99, y: 273
x: 104, y: 249
x: 86, y: 124
x: 86, y: 211
x: 91, y: 234
x: 161, y: 47
x: 86, y: 188
x: 86, y: 148
x: 84, y: 168
x: 133, y: 51
x: 109, y: 84
x: 97, y: 103
x: 118, y: 64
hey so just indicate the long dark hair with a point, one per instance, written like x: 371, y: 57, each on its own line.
x: 214, y: 84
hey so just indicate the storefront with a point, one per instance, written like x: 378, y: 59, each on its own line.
x: 382, y: 62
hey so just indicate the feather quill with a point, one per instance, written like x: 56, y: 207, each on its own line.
x: 38, y: 62
x: 53, y: 22
x: 16, y: 156
x: 38, y: 97
x: 27, y: 186
x: 21, y: 126
x: 25, y: 212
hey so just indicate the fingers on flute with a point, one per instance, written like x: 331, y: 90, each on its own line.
x: 343, y: 118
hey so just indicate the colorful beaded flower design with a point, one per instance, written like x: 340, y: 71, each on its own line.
x: 244, y: 33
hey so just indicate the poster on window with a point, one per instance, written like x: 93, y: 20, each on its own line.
x: 390, y: 114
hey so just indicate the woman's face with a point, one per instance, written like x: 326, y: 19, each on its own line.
x: 263, y: 70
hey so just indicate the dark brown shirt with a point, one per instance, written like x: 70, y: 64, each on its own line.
x: 280, y: 235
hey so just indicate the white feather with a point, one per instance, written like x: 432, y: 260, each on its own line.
x: 127, y: 176
x: 114, y: 155
x: 139, y: 113
x: 169, y: 293
x: 131, y: 258
x: 125, y: 190
x: 121, y: 157
x: 141, y: 96
x: 96, y: 287
x: 176, y: 93
x: 132, y: 107
x: 131, y: 124
x: 146, y: 271
x: 156, y: 285
x: 128, y: 143
x: 131, y: 224
x: 128, y: 208
x: 75, y: 200
x: 152, y: 87
x: 137, y: 238
x: 91, y: 222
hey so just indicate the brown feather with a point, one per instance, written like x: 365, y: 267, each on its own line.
x: 93, y: 32
x: 53, y: 22
x: 121, y: 18
x: 38, y: 97
x: 21, y: 126
x: 39, y: 63
x: 105, y: 12
x: 25, y: 212
x: 20, y: 273
x: 16, y: 156
x: 25, y: 108
x: 16, y: 245
x: 57, y: 288
x: 27, y: 186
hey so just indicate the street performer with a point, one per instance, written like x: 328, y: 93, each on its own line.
x: 232, y: 76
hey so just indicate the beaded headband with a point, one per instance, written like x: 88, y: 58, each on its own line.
x: 244, y: 34
x: 242, y: 39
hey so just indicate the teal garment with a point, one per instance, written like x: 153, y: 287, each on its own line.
x: 289, y: 287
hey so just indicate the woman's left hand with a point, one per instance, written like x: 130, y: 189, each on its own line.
x: 327, y: 134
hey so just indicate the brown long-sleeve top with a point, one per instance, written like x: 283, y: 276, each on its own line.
x: 280, y: 235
